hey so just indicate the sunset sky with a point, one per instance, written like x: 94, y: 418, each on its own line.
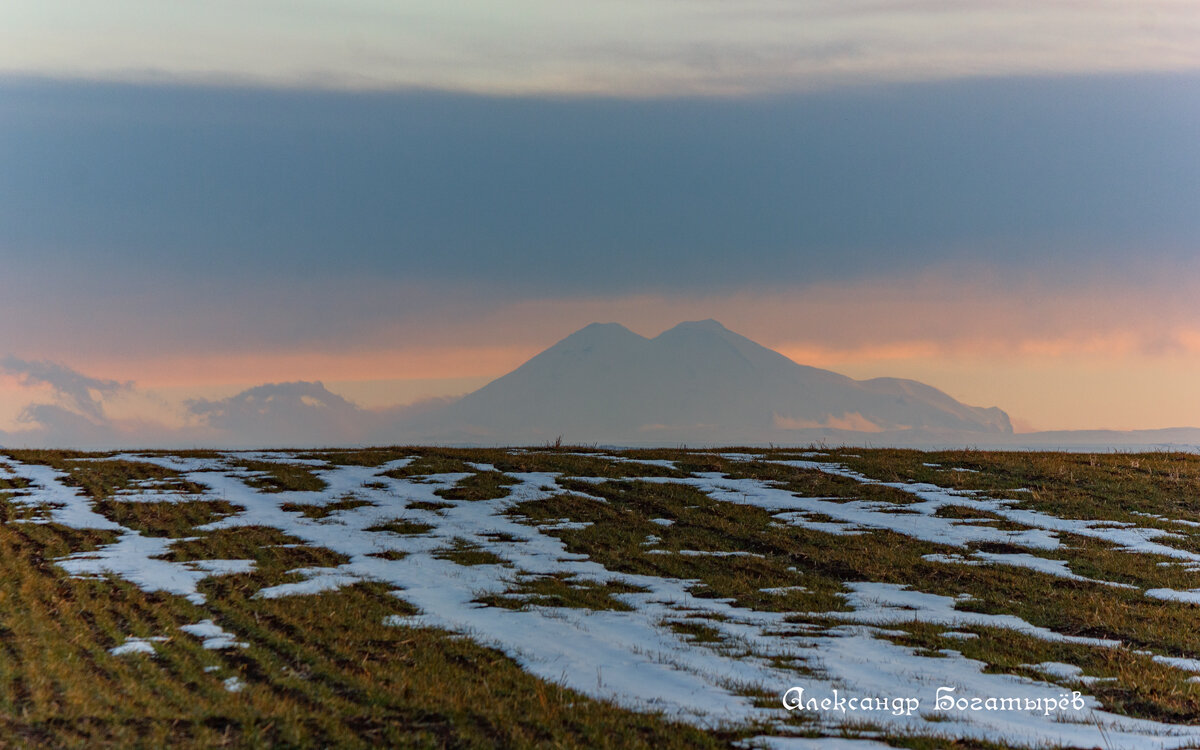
x: 402, y: 200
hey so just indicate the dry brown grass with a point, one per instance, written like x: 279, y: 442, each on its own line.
x: 324, y: 670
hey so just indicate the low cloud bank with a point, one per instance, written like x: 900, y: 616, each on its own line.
x: 296, y: 414
x: 77, y: 394
x: 289, y: 411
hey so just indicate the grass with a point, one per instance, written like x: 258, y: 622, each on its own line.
x: 1002, y: 650
x: 9, y: 484
x: 620, y: 526
x: 562, y: 590
x: 428, y: 505
x: 323, y: 670
x: 320, y: 671
x: 697, y: 631
x: 821, y: 563
x: 10, y: 487
x: 167, y: 518
x: 273, y: 552
x: 431, y: 464
x: 569, y: 461
x: 403, y: 526
x: 477, y: 485
x: 270, y: 476
x: 364, y: 457
x: 481, y: 485
x: 390, y: 554
x: 317, y: 512
x: 1111, y: 486
x: 99, y: 476
x: 464, y: 552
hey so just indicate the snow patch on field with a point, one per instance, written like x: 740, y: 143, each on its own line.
x: 1056, y: 568
x: 213, y: 636
x: 1191, y: 596
x: 633, y: 657
x: 135, y: 645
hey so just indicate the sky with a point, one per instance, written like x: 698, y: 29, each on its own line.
x: 405, y: 200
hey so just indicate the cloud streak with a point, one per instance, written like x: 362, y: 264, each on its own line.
x: 642, y: 47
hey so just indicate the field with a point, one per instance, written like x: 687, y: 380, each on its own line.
x: 582, y: 597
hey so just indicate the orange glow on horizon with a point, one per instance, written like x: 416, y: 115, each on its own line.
x: 1094, y: 357
x: 181, y: 370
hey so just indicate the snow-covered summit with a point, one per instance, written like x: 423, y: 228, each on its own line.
x: 696, y: 382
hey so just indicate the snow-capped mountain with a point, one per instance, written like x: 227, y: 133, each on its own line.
x: 697, y: 382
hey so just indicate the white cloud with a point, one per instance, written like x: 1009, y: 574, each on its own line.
x: 296, y: 414
x: 609, y: 46
x: 76, y: 393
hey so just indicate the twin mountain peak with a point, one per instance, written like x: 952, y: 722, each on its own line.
x: 698, y: 382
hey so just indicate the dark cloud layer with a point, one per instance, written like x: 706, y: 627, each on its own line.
x: 190, y: 188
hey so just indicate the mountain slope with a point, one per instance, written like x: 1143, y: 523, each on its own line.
x: 697, y: 382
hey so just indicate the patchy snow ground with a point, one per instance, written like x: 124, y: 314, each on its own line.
x: 630, y: 656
